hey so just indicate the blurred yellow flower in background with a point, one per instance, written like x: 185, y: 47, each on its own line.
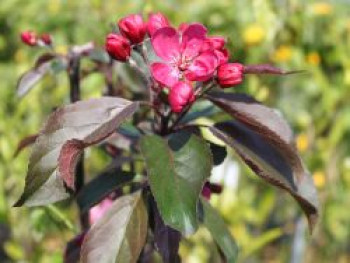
x: 62, y: 49
x: 302, y: 142
x: 322, y: 8
x: 282, y: 54
x: 253, y: 34
x: 20, y: 56
x: 319, y: 179
x: 54, y: 6
x: 313, y: 58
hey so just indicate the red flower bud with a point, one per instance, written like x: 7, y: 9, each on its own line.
x: 180, y: 95
x: 118, y: 47
x: 206, y: 193
x: 156, y: 21
x: 133, y: 28
x: 46, y: 39
x: 230, y: 74
x: 29, y: 38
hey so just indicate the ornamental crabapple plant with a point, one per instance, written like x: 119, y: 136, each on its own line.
x: 156, y: 189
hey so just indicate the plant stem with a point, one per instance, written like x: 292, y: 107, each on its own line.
x: 74, y: 81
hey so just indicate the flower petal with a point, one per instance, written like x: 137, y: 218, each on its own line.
x: 165, y: 74
x: 166, y: 44
x: 192, y: 40
x: 203, y: 67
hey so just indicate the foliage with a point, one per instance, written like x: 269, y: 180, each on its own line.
x: 298, y: 35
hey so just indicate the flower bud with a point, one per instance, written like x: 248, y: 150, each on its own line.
x: 46, y: 39
x: 180, y: 95
x: 29, y: 38
x: 230, y: 74
x: 133, y: 28
x: 118, y: 47
x: 156, y: 21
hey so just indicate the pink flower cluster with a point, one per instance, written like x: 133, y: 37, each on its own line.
x: 187, y: 55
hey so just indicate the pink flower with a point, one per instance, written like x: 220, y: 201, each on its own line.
x: 182, y: 55
x: 133, y: 28
x: 29, y: 38
x: 155, y: 22
x: 180, y: 95
x: 217, y: 44
x: 222, y: 55
x: 230, y: 74
x: 214, y: 42
x: 118, y: 47
x: 99, y: 210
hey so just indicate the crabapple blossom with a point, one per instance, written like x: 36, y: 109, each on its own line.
x: 118, y: 47
x: 230, y: 74
x: 180, y: 95
x: 182, y: 56
x: 29, y: 38
x: 155, y: 22
x: 46, y: 39
x: 133, y: 28
x: 99, y: 210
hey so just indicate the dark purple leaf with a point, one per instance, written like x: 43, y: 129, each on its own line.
x: 90, y: 122
x: 44, y: 59
x: 72, y: 251
x: 263, y: 120
x: 83, y: 50
x: 119, y: 235
x: 166, y: 239
x: 101, y: 186
x: 267, y: 69
x: 68, y: 160
x: 27, y: 81
x: 24, y: 143
x: 266, y: 159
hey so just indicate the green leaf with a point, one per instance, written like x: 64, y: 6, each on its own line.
x: 221, y: 235
x: 101, y: 186
x: 119, y: 235
x: 177, y: 170
x: 268, y: 161
x: 88, y: 122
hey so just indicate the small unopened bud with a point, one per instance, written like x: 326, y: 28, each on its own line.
x: 29, y: 38
x: 46, y: 39
x: 155, y: 22
x: 118, y: 47
x: 180, y: 95
x: 230, y: 74
x: 133, y: 28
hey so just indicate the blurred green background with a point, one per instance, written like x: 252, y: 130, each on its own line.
x: 267, y: 224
